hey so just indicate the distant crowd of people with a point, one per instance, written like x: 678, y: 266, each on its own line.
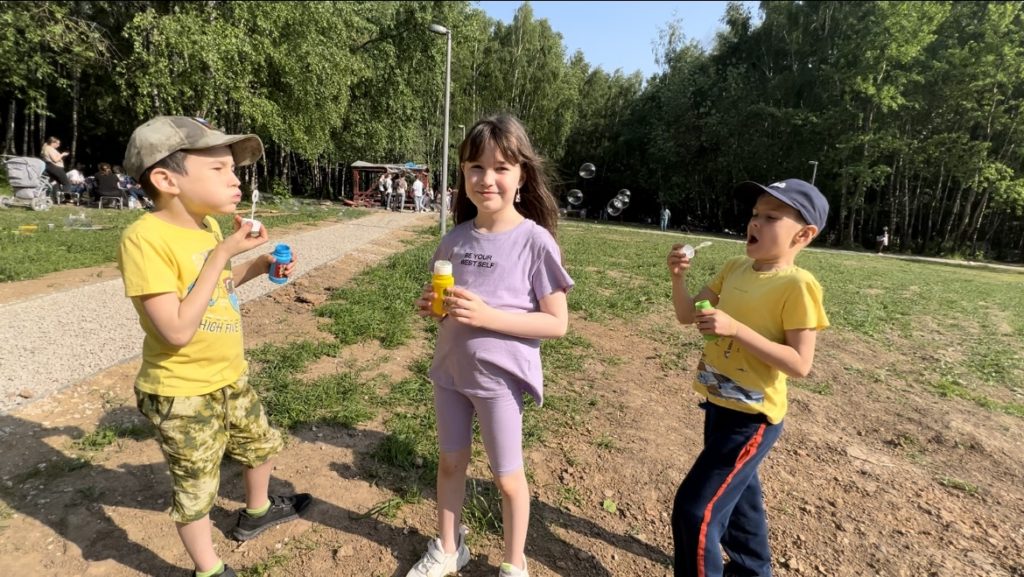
x: 107, y: 181
x: 394, y: 189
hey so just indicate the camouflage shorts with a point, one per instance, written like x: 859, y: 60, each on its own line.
x: 194, y: 434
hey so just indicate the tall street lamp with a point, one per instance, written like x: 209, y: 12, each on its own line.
x: 438, y: 29
x: 815, y: 172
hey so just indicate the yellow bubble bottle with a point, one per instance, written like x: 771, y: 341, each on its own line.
x: 442, y: 280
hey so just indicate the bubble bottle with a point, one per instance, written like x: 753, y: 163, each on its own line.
x: 705, y: 305
x: 282, y: 255
x: 441, y: 281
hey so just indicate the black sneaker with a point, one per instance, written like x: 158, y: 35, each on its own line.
x: 227, y: 572
x: 282, y: 509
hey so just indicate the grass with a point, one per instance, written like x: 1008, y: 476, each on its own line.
x: 28, y: 256
x: 606, y: 442
x: 620, y: 276
x: 960, y: 485
x: 107, y: 435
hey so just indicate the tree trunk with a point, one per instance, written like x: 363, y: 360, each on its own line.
x: 29, y: 120
x: 968, y: 212
x: 843, y: 207
x: 42, y: 128
x: 946, y: 236
x: 939, y: 190
x: 854, y: 201
x: 76, y: 93
x: 9, y: 137
x: 977, y: 219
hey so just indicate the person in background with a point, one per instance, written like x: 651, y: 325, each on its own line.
x: 400, y: 190
x: 883, y: 239
x: 417, y: 195
x: 108, y: 184
x: 54, y: 160
x: 79, y: 186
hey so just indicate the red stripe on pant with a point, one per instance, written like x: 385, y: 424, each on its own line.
x: 748, y: 451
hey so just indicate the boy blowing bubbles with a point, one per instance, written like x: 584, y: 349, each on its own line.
x: 193, y: 383
x: 764, y: 324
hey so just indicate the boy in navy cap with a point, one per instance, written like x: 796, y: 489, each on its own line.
x: 766, y: 315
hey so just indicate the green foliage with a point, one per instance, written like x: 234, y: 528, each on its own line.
x: 107, y: 435
x: 909, y: 110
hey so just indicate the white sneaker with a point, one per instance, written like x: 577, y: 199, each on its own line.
x: 436, y: 563
x: 510, y: 570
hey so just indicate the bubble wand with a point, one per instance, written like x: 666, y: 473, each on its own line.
x: 252, y: 214
x: 689, y: 251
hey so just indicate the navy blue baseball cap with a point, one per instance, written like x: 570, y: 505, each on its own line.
x: 803, y: 196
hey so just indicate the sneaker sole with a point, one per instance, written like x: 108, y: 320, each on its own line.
x: 243, y: 535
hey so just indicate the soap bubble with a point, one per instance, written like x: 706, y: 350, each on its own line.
x: 575, y: 197
x: 587, y: 170
x: 615, y: 206
x: 624, y: 194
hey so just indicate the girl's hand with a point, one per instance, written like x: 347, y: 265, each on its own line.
x: 716, y: 322
x: 425, y: 304
x: 241, y: 241
x: 467, y: 308
x: 678, y: 262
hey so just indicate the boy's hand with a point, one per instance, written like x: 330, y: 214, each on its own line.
x: 716, y: 322
x: 424, y: 305
x: 466, y: 307
x: 678, y: 262
x: 241, y: 241
x: 286, y: 272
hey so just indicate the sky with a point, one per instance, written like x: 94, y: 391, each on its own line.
x: 593, y: 27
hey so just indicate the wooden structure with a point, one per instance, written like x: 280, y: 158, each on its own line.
x: 365, y: 176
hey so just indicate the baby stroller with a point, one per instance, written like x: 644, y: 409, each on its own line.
x: 32, y: 188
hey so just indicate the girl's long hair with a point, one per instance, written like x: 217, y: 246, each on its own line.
x: 508, y: 134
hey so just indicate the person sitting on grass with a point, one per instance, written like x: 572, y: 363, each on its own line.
x: 108, y: 184
x: 193, y: 384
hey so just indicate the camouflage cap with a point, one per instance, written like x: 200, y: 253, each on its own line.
x: 164, y: 135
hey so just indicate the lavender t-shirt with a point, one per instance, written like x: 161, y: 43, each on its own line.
x: 511, y: 271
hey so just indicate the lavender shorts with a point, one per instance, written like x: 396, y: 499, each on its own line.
x: 501, y: 426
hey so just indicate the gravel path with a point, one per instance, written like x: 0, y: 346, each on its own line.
x: 53, y: 341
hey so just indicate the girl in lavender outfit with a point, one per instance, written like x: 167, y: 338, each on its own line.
x: 510, y: 293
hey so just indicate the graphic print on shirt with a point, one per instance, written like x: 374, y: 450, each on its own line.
x: 214, y: 320
x: 723, y: 387
x: 475, y: 259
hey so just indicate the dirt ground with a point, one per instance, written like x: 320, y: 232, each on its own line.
x: 876, y: 477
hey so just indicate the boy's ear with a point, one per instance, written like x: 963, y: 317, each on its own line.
x: 164, y: 180
x: 807, y: 233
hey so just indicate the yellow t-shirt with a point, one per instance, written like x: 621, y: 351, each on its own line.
x: 158, y: 257
x: 770, y: 303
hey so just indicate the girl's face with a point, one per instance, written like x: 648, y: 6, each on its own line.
x: 491, y: 182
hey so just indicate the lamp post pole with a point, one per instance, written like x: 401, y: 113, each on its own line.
x: 814, y: 173
x: 463, y: 127
x: 438, y: 29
